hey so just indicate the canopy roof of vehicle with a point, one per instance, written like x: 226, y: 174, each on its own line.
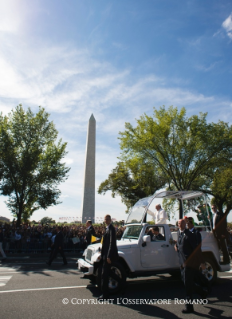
x: 178, y: 194
x: 138, y: 212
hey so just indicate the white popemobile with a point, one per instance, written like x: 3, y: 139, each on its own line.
x: 140, y: 256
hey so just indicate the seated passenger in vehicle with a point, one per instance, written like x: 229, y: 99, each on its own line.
x: 156, y: 235
x: 149, y: 232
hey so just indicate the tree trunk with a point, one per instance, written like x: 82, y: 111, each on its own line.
x: 18, y: 222
x: 228, y: 209
x: 19, y: 215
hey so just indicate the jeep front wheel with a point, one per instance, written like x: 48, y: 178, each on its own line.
x: 114, y: 285
x: 211, y: 270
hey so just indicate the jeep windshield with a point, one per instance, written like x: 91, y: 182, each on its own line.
x: 137, y: 211
x: 132, y: 232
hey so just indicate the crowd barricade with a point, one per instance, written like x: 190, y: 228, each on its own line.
x: 39, y: 246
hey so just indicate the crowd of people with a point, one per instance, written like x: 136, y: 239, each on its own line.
x: 37, y: 238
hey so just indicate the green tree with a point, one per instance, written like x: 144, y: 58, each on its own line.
x: 30, y: 161
x: 185, y: 151
x: 133, y: 181
x: 221, y: 189
x: 184, y: 148
x: 47, y: 220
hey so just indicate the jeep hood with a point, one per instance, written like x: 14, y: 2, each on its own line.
x: 121, y: 244
x: 126, y: 243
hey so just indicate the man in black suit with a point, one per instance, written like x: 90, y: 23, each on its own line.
x: 202, y: 284
x: 185, y: 246
x: 219, y: 227
x: 58, y: 246
x: 198, y: 251
x: 109, y: 255
x: 88, y: 235
x: 89, y: 232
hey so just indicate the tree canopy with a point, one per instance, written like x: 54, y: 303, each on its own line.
x: 184, y: 148
x: 133, y: 181
x: 188, y: 152
x: 221, y: 189
x: 31, y: 164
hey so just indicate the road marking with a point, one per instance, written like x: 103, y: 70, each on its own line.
x: 43, y: 263
x: 19, y: 257
x: 29, y: 257
x: 50, y: 288
x: 4, y: 280
x: 19, y: 270
x: 9, y: 269
x: 38, y: 271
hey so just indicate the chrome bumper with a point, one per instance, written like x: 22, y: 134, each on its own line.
x: 85, y: 267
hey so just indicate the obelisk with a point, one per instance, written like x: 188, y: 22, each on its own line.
x: 88, y: 201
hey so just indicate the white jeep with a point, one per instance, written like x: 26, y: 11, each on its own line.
x: 140, y: 256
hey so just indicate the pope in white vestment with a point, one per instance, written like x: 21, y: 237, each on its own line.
x: 160, y: 216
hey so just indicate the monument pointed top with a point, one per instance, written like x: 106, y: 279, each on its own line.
x: 92, y: 117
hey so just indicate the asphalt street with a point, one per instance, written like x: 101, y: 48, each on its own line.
x: 31, y: 289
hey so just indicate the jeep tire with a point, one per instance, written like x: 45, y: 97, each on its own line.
x: 211, y: 273
x: 114, y: 286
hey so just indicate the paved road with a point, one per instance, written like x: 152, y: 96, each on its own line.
x: 29, y: 289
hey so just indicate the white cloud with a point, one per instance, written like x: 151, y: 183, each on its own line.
x: 227, y: 25
x: 209, y: 67
x: 70, y: 81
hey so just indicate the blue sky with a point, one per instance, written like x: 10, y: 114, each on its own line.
x: 117, y: 60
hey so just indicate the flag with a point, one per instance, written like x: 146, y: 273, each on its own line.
x: 93, y: 239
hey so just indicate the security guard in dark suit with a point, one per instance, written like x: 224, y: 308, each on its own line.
x: 198, y: 251
x: 58, y: 247
x: 202, y: 284
x: 109, y: 255
x: 219, y: 227
x: 89, y: 232
x: 185, y: 246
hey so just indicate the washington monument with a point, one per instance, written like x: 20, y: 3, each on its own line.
x: 88, y: 201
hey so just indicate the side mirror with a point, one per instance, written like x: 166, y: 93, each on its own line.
x: 147, y: 239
